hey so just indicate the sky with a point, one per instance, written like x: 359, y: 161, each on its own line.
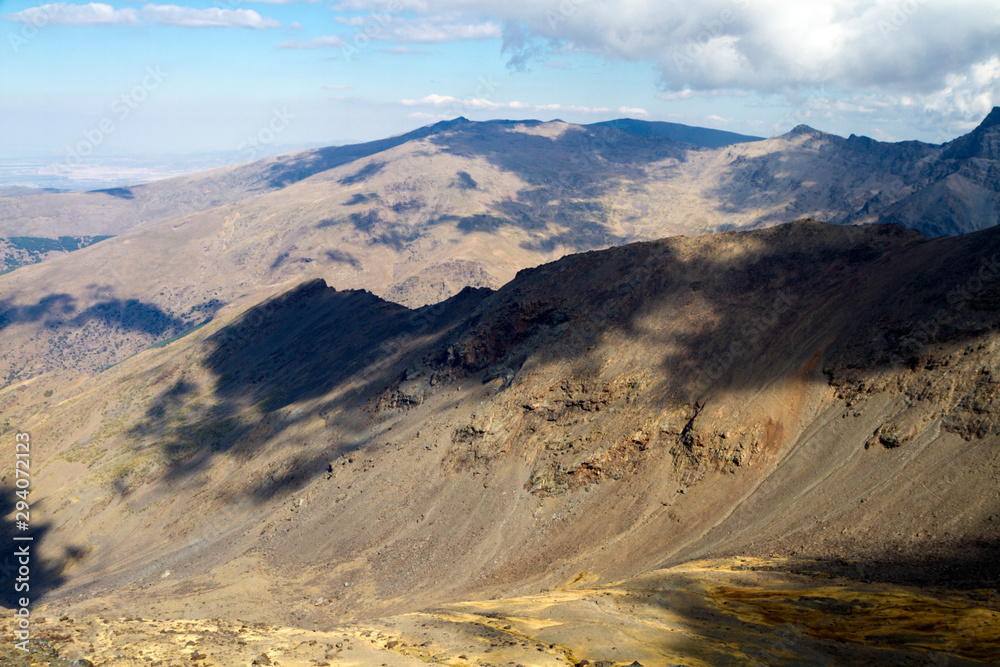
x: 80, y: 81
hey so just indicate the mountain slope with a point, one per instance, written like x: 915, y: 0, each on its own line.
x: 805, y: 390
x: 24, y: 250
x: 961, y: 191
x: 117, y: 210
x: 697, y: 136
x: 417, y: 222
x: 418, y: 217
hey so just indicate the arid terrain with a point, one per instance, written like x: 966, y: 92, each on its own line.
x: 767, y: 447
x: 417, y: 217
x: 734, y: 612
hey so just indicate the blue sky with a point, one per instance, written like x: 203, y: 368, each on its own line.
x: 112, y: 78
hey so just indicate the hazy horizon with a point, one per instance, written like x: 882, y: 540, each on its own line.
x: 84, y: 80
x: 77, y: 172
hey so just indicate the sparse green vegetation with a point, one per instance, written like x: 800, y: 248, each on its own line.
x: 168, y: 341
x: 86, y: 454
x: 18, y: 251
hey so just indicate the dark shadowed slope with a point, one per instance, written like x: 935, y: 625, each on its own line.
x: 959, y: 192
x: 696, y: 136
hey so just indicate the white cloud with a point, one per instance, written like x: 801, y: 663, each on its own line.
x: 328, y: 41
x: 354, y: 21
x: 59, y: 13
x: 434, y: 32
x: 431, y: 30
x: 936, y: 53
x: 213, y: 17
x: 688, y: 94
x: 436, y: 100
x: 970, y: 93
x: 458, y: 105
x: 633, y: 111
x: 405, y: 51
x: 96, y: 13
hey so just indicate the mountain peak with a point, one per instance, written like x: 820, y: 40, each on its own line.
x: 991, y: 120
x: 982, y: 142
x: 800, y: 130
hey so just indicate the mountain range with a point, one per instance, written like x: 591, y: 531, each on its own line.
x: 415, y: 218
x: 517, y: 393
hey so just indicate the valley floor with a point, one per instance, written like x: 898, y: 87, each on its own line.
x: 739, y: 611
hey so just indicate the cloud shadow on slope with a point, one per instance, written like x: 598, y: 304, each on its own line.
x: 343, y: 348
x: 840, y: 170
x: 43, y: 576
x: 309, y: 343
x: 318, y: 353
x: 882, y: 294
x: 593, y: 162
x: 295, y: 167
x: 61, y: 310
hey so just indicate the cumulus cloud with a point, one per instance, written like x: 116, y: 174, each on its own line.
x: 431, y: 30
x: 355, y: 21
x: 405, y: 51
x: 59, y: 13
x: 938, y: 54
x: 481, y: 104
x: 212, y: 17
x: 689, y: 94
x: 325, y: 42
x: 435, y: 32
x: 96, y: 13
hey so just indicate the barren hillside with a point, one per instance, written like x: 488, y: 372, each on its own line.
x: 811, y: 392
x: 418, y: 217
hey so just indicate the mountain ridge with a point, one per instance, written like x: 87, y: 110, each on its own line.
x: 699, y: 136
x: 463, y: 204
